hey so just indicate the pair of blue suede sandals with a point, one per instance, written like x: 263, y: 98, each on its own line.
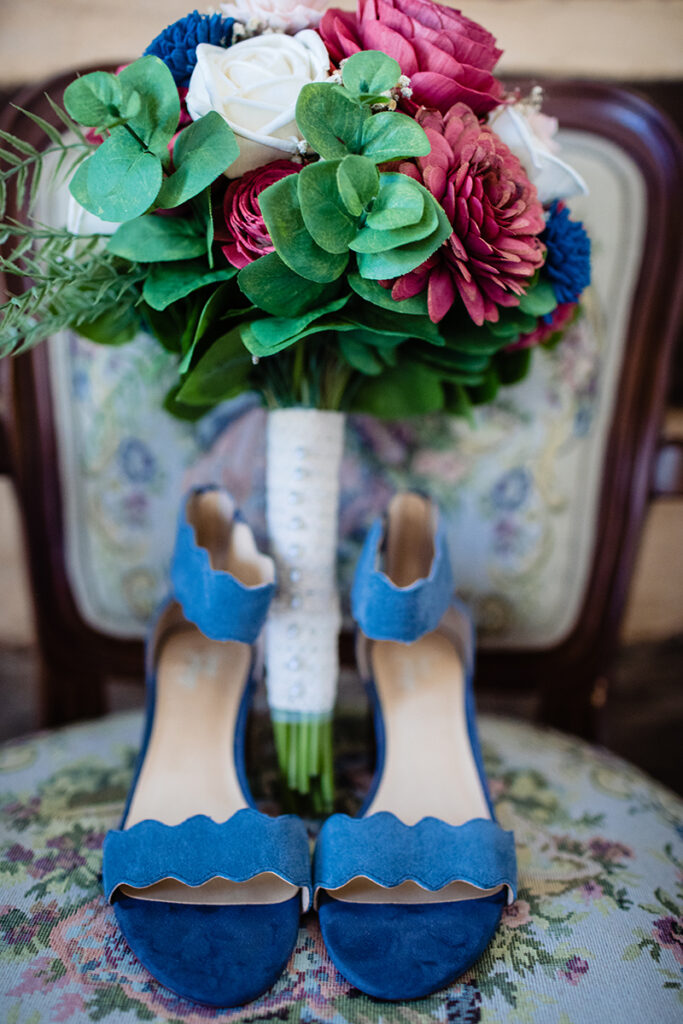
x: 208, y: 891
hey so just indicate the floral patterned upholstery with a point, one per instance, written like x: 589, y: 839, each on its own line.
x: 520, y: 489
x: 595, y: 935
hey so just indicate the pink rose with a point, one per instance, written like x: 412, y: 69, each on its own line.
x: 448, y: 57
x: 245, y: 231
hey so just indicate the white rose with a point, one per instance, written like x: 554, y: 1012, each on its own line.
x: 529, y: 134
x: 281, y: 15
x: 254, y: 85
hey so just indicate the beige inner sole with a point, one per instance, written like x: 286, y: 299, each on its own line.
x: 429, y: 769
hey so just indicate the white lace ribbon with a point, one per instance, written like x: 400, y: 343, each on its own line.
x: 304, y: 455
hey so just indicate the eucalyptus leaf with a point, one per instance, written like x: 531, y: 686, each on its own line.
x: 190, y: 413
x: 539, y: 300
x: 119, y: 181
x: 325, y: 215
x: 115, y: 327
x: 279, y: 205
x: 514, y: 366
x: 485, y: 392
x: 202, y: 152
x: 371, y: 240
x: 358, y: 183
x: 374, y: 292
x: 397, y: 204
x: 409, y: 389
x: 157, y: 120
x: 272, y: 286
x: 383, y: 266
x: 330, y: 120
x: 222, y: 372
x: 359, y: 356
x: 391, y: 135
x: 168, y: 282
x: 154, y: 238
x: 99, y: 100
x: 385, y: 321
x: 370, y: 71
x: 272, y: 334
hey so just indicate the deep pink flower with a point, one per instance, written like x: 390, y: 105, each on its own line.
x: 448, y: 57
x: 495, y: 212
x: 574, y: 970
x: 668, y: 932
x: 245, y: 231
x: 556, y: 321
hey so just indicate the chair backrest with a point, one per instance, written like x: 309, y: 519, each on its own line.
x: 544, y: 496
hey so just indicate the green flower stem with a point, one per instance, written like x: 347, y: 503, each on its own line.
x: 305, y: 759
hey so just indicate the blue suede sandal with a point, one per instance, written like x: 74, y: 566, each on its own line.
x: 410, y: 893
x: 206, y: 890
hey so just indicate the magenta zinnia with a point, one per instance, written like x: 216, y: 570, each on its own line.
x: 495, y: 212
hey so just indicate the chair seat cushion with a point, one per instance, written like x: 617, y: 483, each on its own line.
x: 595, y: 934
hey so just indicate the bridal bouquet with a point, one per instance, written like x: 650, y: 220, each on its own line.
x: 339, y: 211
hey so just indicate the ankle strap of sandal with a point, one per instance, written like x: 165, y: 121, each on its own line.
x: 385, y: 611
x: 222, y: 605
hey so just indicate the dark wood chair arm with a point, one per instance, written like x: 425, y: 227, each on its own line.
x: 5, y: 412
x: 667, y: 478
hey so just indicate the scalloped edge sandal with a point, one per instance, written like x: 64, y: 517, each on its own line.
x: 410, y: 893
x: 206, y: 890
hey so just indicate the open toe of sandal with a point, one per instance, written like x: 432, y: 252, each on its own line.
x: 169, y: 885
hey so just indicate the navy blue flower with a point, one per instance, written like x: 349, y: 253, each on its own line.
x: 568, y: 263
x: 177, y: 44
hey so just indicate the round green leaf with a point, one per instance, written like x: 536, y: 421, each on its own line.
x: 120, y: 180
x: 370, y: 71
x: 358, y: 183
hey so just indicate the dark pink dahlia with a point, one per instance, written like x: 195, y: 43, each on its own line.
x: 496, y: 215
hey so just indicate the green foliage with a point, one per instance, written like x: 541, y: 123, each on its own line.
x: 409, y: 389
x: 390, y: 136
x: 271, y: 335
x: 157, y: 120
x: 357, y: 183
x: 101, y: 100
x: 21, y: 163
x: 272, y: 286
x: 168, y: 282
x: 331, y: 120
x: 374, y: 292
x: 342, y: 204
x: 202, y: 152
x: 369, y: 73
x: 293, y: 242
x: 221, y: 373
x: 158, y: 239
x: 324, y: 212
x: 539, y: 299
x: 74, y: 283
x: 139, y: 110
x: 120, y: 180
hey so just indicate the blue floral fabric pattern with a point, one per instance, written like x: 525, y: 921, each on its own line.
x: 596, y: 933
